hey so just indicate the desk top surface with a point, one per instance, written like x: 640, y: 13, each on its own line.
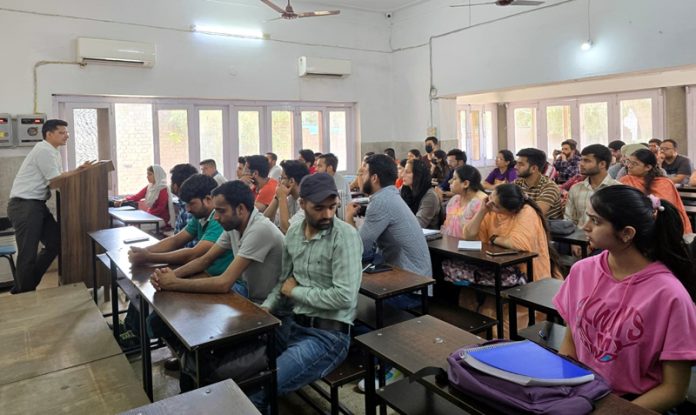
x: 134, y: 216
x: 104, y: 386
x: 51, y: 331
x: 390, y: 283
x: 113, y: 238
x: 578, y: 237
x: 426, y: 341
x: 448, y: 245
x: 220, y: 398
x: 197, y: 319
x: 540, y: 292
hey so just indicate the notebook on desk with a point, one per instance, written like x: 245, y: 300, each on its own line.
x: 469, y: 245
x: 526, y: 363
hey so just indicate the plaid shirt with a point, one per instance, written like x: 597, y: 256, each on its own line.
x: 567, y: 168
x: 182, y: 219
x: 579, y: 197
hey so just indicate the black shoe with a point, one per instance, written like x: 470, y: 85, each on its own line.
x: 172, y: 364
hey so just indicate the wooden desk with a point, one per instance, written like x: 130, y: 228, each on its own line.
x: 221, y: 398
x: 49, y: 330
x: 134, y: 217
x: 427, y: 341
x: 578, y: 237
x: 200, y: 321
x: 109, y: 240
x: 104, y: 386
x: 389, y: 284
x: 537, y: 295
x: 447, y: 246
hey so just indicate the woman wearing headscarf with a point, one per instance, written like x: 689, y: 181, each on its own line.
x: 155, y: 195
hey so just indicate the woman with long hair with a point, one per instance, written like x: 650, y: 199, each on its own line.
x: 644, y: 174
x: 438, y: 167
x: 467, y: 200
x: 630, y: 309
x: 504, y: 171
x: 419, y: 195
x: 156, y: 195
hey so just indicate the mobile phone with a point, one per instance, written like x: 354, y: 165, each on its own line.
x: 374, y: 269
x: 134, y: 240
x: 500, y: 253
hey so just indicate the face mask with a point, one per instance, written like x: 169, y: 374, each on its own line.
x: 428, y: 148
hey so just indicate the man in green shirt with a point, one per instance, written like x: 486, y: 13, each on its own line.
x: 320, y: 279
x: 195, y: 192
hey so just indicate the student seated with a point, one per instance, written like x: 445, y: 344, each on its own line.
x: 356, y: 184
x: 177, y: 176
x: 566, y: 163
x: 314, y: 338
x: 285, y: 208
x: 419, y: 195
x: 504, y: 171
x: 630, y: 310
x: 209, y: 168
x: 643, y: 174
x: 542, y: 190
x: 264, y: 187
x: 439, y: 169
x: 156, y: 195
x: 466, y: 202
x: 401, y: 166
x: 455, y: 158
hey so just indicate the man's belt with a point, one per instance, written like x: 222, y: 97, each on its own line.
x: 322, y: 323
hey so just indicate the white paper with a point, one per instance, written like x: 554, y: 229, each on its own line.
x: 469, y: 245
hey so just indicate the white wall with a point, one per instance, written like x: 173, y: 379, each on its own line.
x: 193, y: 64
x: 530, y: 46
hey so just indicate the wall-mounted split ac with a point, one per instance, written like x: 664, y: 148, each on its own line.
x: 323, y: 67
x: 90, y: 50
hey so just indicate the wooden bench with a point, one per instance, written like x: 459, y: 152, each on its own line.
x: 463, y: 318
x: 546, y: 333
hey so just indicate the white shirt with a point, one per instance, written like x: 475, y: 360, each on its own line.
x: 219, y: 178
x: 42, y: 164
x: 275, y: 172
x: 343, y: 192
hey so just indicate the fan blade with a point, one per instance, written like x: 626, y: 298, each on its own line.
x: 273, y: 20
x: 472, y: 5
x: 526, y: 3
x: 319, y: 13
x: 273, y: 6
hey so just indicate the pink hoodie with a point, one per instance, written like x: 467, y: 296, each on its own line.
x: 624, y: 329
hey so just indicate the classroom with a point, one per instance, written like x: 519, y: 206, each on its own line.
x: 313, y: 206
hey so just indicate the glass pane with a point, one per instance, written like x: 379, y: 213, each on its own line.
x: 281, y: 134
x: 249, y: 133
x: 557, y: 126
x: 594, y: 125
x: 311, y: 132
x: 636, y: 120
x: 134, y: 149
x: 525, y: 128
x: 462, y: 130
x: 488, y: 134
x: 338, y: 137
x: 173, y: 137
x: 86, y: 143
x: 210, y: 127
x: 475, y: 153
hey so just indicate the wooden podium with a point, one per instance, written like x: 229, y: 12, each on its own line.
x: 82, y: 202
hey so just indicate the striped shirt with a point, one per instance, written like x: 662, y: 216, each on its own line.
x: 579, y: 197
x: 545, y: 191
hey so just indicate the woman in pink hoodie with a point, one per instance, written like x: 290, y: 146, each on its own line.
x: 630, y: 309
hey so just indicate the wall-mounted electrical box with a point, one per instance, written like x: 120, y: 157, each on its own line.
x: 6, y: 138
x: 29, y: 128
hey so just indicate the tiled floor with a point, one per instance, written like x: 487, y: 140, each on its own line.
x: 166, y: 383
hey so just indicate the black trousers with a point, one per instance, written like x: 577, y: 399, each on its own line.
x: 33, y: 223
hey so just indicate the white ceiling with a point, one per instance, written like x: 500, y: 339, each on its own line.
x: 369, y: 5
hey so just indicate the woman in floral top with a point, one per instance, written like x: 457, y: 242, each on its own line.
x: 467, y: 199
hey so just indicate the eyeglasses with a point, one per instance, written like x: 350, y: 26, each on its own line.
x: 631, y: 163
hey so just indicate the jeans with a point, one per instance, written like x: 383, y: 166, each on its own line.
x: 306, y: 354
x: 33, y: 223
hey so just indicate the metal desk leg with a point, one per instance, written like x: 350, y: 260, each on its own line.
x: 145, y: 348
x: 114, y: 301
x: 424, y: 300
x: 273, y: 378
x: 512, y: 315
x: 370, y: 395
x: 379, y: 314
x: 94, y: 272
x: 499, y: 302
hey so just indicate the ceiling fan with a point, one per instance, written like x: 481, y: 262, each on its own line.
x: 502, y: 3
x: 289, y: 13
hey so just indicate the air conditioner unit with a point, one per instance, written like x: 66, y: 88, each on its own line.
x: 107, y: 51
x: 323, y: 67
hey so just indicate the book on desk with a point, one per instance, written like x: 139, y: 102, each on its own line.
x: 526, y: 363
x: 469, y: 245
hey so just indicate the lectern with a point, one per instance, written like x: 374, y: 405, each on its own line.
x: 82, y: 201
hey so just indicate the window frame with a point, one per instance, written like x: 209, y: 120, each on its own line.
x: 466, y: 143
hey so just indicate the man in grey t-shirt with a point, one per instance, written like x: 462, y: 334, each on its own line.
x: 389, y: 223
x: 256, y: 242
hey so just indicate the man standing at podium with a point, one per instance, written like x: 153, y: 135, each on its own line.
x: 31, y: 219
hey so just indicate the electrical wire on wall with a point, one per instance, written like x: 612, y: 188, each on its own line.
x: 36, y: 82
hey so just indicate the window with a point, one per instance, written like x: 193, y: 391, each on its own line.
x: 598, y: 119
x: 138, y: 132
x: 477, y: 135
